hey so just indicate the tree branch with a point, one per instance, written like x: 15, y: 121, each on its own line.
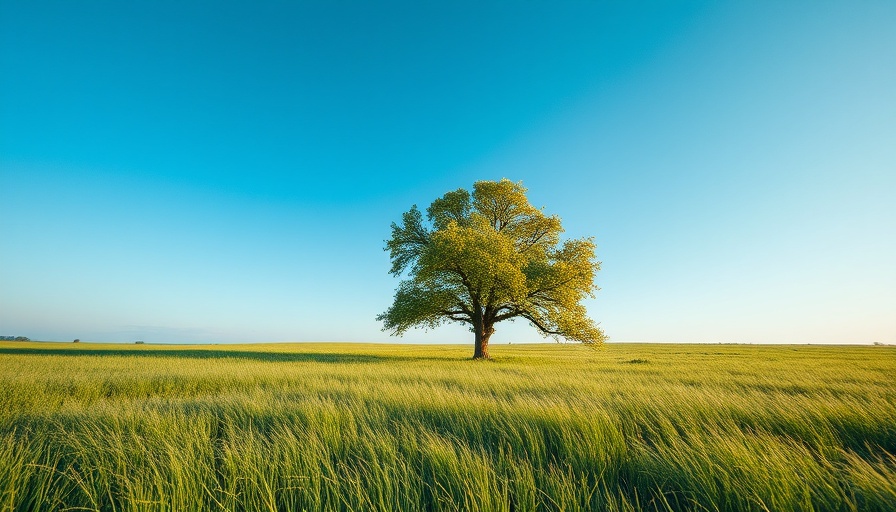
x: 453, y: 316
x: 504, y: 316
x: 474, y: 297
x: 550, y: 288
x: 536, y: 323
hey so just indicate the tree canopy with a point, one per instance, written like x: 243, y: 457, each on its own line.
x: 490, y: 256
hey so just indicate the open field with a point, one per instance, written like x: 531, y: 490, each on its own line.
x: 391, y: 427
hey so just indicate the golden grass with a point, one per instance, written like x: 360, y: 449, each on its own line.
x: 397, y: 427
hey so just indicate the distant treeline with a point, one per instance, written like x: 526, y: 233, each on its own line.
x: 14, y: 338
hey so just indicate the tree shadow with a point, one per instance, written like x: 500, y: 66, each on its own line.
x: 271, y: 357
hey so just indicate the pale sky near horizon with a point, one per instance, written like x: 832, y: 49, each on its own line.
x: 227, y: 172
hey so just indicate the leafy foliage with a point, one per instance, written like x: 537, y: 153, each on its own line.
x: 490, y: 256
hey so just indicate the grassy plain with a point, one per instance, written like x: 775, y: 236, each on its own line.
x: 391, y: 427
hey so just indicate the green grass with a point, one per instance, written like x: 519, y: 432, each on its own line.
x: 390, y: 427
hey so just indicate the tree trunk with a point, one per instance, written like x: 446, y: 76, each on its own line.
x: 483, y: 333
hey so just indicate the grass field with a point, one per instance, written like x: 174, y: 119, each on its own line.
x: 390, y: 427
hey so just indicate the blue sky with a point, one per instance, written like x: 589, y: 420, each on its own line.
x: 226, y: 172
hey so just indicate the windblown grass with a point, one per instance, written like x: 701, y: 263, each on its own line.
x: 390, y: 427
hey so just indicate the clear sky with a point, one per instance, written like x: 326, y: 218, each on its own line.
x: 223, y: 172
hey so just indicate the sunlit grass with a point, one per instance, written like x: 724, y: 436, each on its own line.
x: 391, y: 427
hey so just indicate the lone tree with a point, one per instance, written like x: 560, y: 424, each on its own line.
x: 489, y: 256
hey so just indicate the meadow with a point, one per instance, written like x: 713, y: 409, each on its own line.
x: 400, y: 427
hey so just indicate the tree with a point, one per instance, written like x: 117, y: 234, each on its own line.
x: 490, y: 256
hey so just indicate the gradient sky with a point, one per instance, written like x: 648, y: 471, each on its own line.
x: 225, y: 172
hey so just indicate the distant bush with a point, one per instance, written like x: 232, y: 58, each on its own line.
x: 14, y: 338
x: 76, y: 341
x: 139, y: 342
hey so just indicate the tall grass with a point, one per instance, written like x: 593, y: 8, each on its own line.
x: 367, y: 427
